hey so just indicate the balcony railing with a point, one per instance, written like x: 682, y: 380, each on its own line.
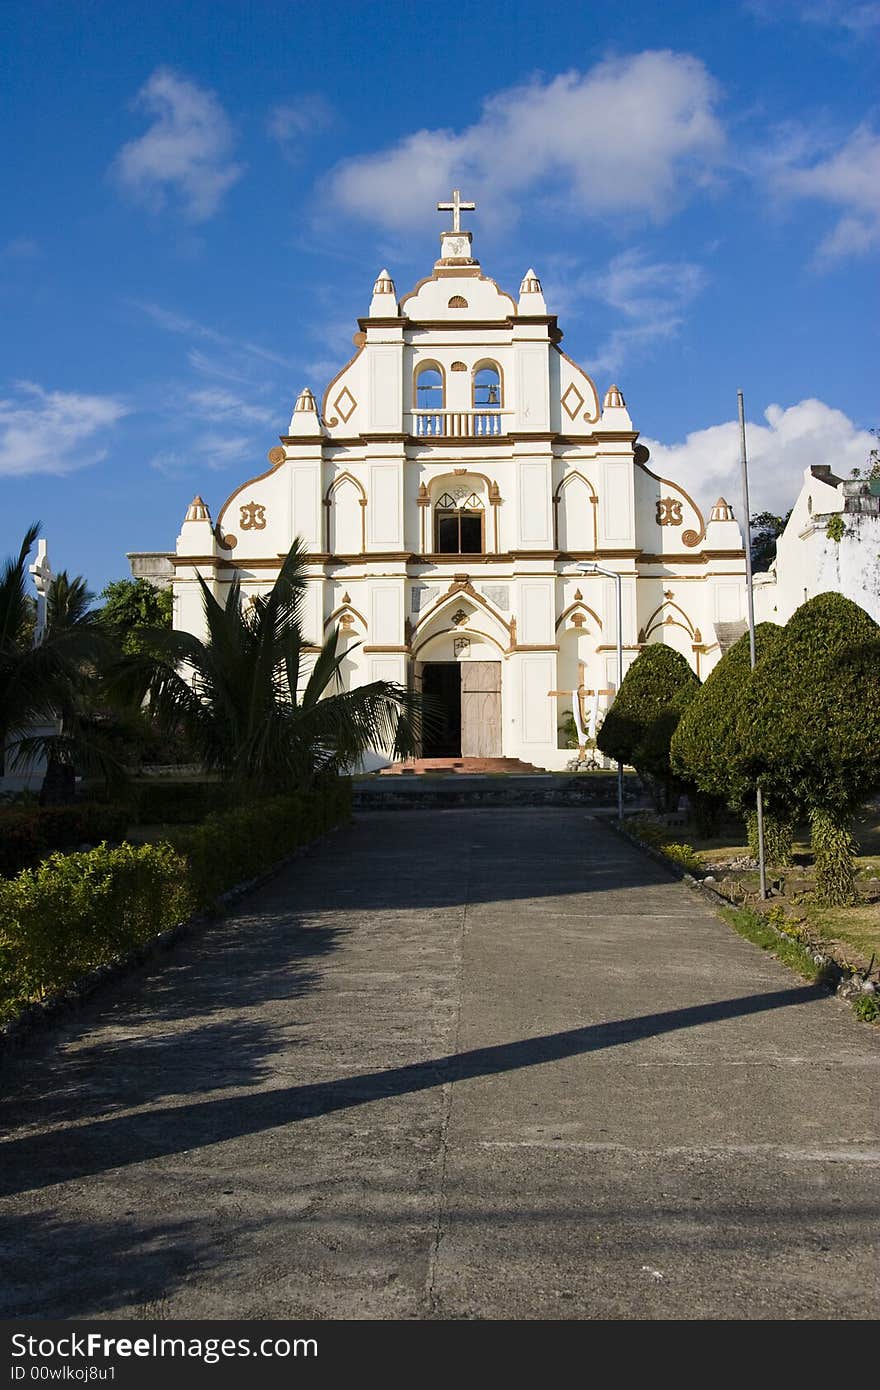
x: 458, y: 424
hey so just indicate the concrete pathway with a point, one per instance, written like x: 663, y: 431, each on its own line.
x: 457, y: 1064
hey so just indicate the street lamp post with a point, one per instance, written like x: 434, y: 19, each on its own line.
x: 590, y: 567
x: 759, y: 800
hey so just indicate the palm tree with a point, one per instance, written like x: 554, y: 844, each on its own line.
x: 31, y: 677
x: 255, y: 710
x: 55, y: 682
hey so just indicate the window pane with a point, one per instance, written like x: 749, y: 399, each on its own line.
x: 487, y: 389
x: 429, y: 389
x: 447, y: 535
x: 471, y: 534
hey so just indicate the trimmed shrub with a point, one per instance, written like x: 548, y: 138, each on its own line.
x: 235, y: 845
x: 160, y: 802
x: 683, y: 855
x: 705, y: 745
x: 27, y: 834
x: 809, y: 728
x: 77, y: 911
x: 639, y: 726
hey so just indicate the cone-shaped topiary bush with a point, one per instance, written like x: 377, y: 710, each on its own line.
x: 809, y: 728
x: 640, y: 723
x: 705, y: 745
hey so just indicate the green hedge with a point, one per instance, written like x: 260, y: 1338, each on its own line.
x: 160, y: 802
x: 29, y: 833
x: 235, y: 845
x: 77, y: 911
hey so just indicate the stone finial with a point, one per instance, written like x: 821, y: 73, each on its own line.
x: 197, y: 510
x: 615, y: 415
x: 383, y: 305
x: 384, y: 283
x: 531, y: 295
x: 304, y: 419
x: 722, y: 511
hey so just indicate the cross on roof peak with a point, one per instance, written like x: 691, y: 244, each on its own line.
x: 456, y: 207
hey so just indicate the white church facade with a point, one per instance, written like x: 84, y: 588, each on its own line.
x: 448, y: 483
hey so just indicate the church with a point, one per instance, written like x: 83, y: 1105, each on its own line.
x: 453, y: 483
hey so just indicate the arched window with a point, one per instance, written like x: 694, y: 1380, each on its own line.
x: 459, y: 523
x: 487, y: 388
x: 429, y: 388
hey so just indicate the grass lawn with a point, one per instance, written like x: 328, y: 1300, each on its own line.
x: 852, y: 932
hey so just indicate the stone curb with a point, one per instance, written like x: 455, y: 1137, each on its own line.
x: 840, y: 975
x: 44, y: 1012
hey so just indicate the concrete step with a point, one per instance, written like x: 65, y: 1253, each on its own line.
x: 595, y: 790
x: 468, y: 767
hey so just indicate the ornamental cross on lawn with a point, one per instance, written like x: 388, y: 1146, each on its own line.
x: 456, y: 207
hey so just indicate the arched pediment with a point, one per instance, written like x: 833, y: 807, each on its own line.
x: 341, y: 611
x: 346, y: 477
x: 422, y: 643
x: 575, y: 475
x: 580, y: 607
x: 656, y: 620
x: 462, y: 594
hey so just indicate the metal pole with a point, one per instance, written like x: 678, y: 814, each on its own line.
x: 590, y: 567
x: 619, y: 582
x: 759, y: 800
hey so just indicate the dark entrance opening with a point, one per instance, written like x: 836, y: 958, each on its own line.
x: 441, y: 680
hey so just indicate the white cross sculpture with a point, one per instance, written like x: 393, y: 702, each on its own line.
x: 456, y: 207
x: 43, y: 576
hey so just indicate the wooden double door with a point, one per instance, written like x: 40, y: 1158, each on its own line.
x: 469, y: 696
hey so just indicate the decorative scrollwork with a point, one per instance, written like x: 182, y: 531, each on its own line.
x: 253, y: 516
x: 669, y: 511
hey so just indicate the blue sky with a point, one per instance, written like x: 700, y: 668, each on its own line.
x: 198, y: 199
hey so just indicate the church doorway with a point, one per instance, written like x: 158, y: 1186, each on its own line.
x: 442, y: 684
x: 469, y: 695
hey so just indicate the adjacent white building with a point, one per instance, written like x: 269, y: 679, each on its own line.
x: 448, y: 482
x: 831, y: 544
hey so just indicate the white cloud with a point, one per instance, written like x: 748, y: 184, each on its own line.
x: 213, y: 403
x: 651, y: 296
x: 220, y: 450
x: 291, y: 122
x: 629, y: 135
x: 49, y: 431
x: 855, y: 17
x: 20, y: 248
x: 847, y: 179
x: 186, y: 152
x: 172, y: 322
x: 214, y: 451
x: 708, y: 462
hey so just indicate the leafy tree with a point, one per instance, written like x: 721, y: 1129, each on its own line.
x: 766, y: 529
x: 35, y: 681
x: 89, y: 737
x: 705, y: 745
x: 259, y: 706
x: 809, y: 729
x: 639, y: 725
x: 133, y: 607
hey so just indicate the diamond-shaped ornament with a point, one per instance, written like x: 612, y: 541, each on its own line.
x: 345, y: 405
x: 572, y: 401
